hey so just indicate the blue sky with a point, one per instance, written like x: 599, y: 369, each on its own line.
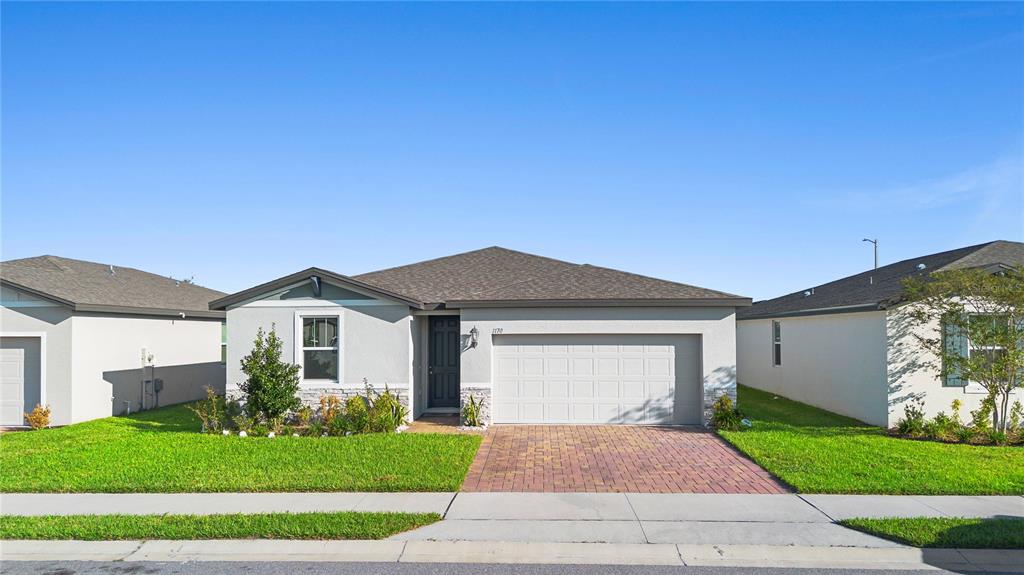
x: 743, y: 147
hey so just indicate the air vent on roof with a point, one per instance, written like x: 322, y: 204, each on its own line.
x: 808, y: 293
x: 921, y: 266
x: 112, y: 270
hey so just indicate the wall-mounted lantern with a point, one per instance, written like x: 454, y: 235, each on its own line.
x: 474, y: 335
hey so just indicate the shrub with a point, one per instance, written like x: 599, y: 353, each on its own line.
x: 39, y: 417
x: 996, y: 437
x: 472, y: 412
x: 912, y: 423
x: 1016, y: 416
x: 259, y: 430
x: 330, y: 408
x: 725, y: 415
x: 981, y: 418
x: 304, y: 416
x: 387, y: 412
x: 942, y: 427
x: 964, y: 434
x: 315, y: 429
x: 242, y: 422
x: 271, y: 385
x: 210, y: 412
x: 357, y: 415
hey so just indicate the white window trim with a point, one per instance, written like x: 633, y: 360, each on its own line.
x: 299, y: 348
x: 973, y: 387
x: 771, y: 331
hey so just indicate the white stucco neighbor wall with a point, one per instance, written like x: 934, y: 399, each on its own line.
x: 715, y: 326
x: 106, y: 361
x: 376, y: 342
x: 833, y: 361
x: 33, y: 315
x: 915, y: 374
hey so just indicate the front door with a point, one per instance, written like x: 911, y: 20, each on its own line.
x: 445, y: 348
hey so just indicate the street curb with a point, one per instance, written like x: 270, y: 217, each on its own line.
x: 255, y: 550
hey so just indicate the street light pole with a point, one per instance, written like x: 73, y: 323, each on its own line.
x: 874, y: 242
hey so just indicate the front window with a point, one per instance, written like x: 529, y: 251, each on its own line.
x: 776, y: 343
x: 320, y: 348
x: 223, y: 343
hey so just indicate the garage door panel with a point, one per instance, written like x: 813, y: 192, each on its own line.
x: 596, y: 379
x: 20, y: 377
x: 557, y: 389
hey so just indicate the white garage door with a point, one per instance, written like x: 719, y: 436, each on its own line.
x: 596, y: 379
x: 19, y: 378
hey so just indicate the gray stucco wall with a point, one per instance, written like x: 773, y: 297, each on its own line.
x: 376, y: 343
x: 55, y: 321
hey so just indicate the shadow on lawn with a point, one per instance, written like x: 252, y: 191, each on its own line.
x: 172, y: 419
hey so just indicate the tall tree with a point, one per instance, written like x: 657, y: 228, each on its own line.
x: 976, y: 321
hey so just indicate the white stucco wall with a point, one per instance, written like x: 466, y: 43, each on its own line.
x: 30, y: 315
x: 915, y: 374
x: 376, y: 341
x: 715, y: 326
x: 106, y: 352
x: 833, y: 361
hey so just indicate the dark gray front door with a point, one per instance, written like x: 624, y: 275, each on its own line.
x: 443, y: 366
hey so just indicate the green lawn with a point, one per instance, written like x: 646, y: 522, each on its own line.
x: 343, y: 525
x: 161, y: 451
x: 816, y: 451
x: 946, y: 532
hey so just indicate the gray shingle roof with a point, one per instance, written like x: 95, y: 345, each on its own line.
x: 89, y: 286
x: 497, y: 274
x: 874, y: 288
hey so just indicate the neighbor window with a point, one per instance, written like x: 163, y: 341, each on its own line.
x: 959, y: 343
x: 223, y: 343
x: 776, y: 343
x: 320, y: 348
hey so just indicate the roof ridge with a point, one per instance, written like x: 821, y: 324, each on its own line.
x: 460, y: 254
x: 58, y: 261
x: 661, y: 280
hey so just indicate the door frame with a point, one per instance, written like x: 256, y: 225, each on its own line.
x: 41, y: 335
x: 427, y: 408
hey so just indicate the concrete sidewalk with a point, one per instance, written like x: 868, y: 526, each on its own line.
x: 528, y: 506
x: 612, y: 518
x: 514, y: 553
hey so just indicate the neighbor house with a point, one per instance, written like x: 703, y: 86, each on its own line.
x: 94, y: 340
x: 538, y: 339
x: 848, y: 345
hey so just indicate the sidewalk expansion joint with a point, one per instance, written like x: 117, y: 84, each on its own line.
x: 818, y: 509
x: 640, y: 523
x: 449, y: 506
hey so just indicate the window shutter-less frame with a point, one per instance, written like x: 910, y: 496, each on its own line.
x: 956, y: 342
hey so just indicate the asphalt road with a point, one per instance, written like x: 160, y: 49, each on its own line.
x: 241, y: 568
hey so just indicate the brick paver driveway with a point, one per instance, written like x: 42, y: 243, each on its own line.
x: 613, y: 458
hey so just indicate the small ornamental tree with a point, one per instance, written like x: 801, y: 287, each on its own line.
x: 271, y: 384
x: 980, y: 333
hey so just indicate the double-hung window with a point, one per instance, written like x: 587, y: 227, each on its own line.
x: 320, y: 348
x: 776, y: 343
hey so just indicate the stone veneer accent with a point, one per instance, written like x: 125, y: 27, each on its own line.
x: 711, y: 394
x: 481, y: 393
x: 311, y: 395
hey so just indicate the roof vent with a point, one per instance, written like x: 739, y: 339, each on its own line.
x: 921, y: 266
x: 112, y: 269
x: 808, y: 293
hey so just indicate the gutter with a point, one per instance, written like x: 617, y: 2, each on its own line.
x: 695, y: 302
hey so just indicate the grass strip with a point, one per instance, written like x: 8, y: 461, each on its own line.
x: 162, y: 451
x: 946, y: 532
x: 817, y: 451
x: 340, y: 525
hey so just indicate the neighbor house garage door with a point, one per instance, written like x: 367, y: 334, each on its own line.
x: 596, y: 379
x: 19, y: 378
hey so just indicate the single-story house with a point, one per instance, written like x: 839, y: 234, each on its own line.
x: 538, y: 339
x: 848, y: 345
x: 94, y: 340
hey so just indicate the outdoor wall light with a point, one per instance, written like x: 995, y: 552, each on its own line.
x: 474, y: 335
